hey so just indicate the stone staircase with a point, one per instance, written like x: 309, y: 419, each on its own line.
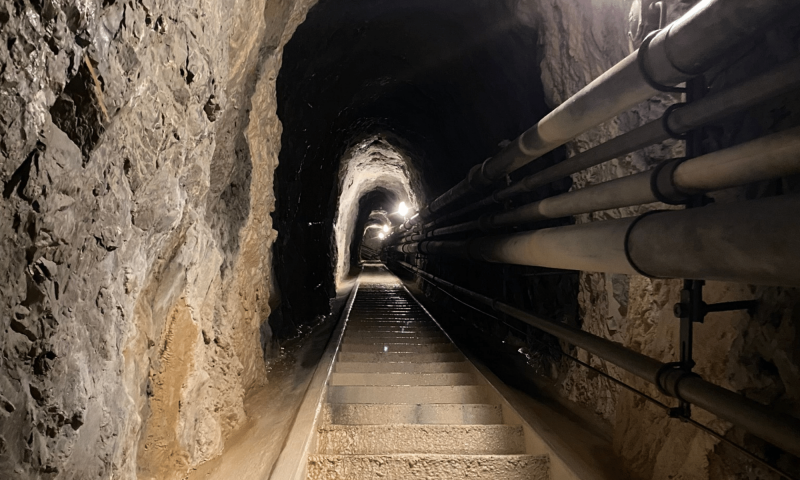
x: 404, y: 403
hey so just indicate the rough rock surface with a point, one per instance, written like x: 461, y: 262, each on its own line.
x: 135, y: 255
x: 580, y: 39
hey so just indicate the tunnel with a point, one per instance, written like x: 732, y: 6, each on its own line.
x: 416, y: 98
x: 339, y: 239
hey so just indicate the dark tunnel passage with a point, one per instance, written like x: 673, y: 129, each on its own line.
x: 444, y: 82
x: 374, y: 209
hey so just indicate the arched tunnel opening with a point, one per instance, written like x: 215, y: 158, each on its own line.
x: 443, y: 90
x: 371, y: 227
x: 287, y: 239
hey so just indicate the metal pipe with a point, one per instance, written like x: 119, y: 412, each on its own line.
x: 777, y: 81
x: 749, y: 242
x: 686, y: 48
x: 769, y: 157
x: 778, y: 428
x: 409, y: 223
x: 773, y: 156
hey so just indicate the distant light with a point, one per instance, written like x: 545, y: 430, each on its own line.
x: 381, y: 236
x: 402, y: 209
x: 386, y: 228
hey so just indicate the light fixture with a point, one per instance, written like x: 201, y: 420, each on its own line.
x: 402, y: 209
x: 381, y: 236
x: 386, y: 228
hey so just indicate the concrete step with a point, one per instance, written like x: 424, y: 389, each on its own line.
x: 397, y: 367
x: 390, y: 321
x: 440, y: 467
x: 407, y: 394
x: 398, y: 347
x: 397, y: 338
x: 403, y: 379
x: 377, y: 331
x: 400, y: 357
x: 427, y: 414
x: 365, y: 310
x: 395, y: 327
x: 428, y: 439
x: 359, y: 324
x: 378, y: 305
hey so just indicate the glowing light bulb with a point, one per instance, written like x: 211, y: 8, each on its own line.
x: 381, y: 236
x: 402, y: 209
x: 386, y: 228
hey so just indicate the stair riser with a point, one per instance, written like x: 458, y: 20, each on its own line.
x: 400, y: 357
x: 388, y: 367
x: 422, y: 439
x: 398, y: 338
x: 409, y: 395
x: 383, y: 331
x: 397, y: 347
x: 430, y: 414
x: 358, y: 325
x: 402, y: 379
x: 391, y: 467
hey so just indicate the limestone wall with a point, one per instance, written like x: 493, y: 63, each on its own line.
x: 134, y: 266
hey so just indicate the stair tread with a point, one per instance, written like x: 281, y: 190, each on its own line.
x: 427, y: 466
x: 404, y: 403
x: 422, y: 439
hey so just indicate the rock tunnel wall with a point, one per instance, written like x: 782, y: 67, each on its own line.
x: 753, y: 355
x: 138, y: 143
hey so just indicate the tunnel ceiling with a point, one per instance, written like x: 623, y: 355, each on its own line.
x: 444, y: 81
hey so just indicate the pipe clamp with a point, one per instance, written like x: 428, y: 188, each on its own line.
x: 640, y: 61
x: 477, y: 178
x: 669, y: 377
x: 665, y: 122
x: 662, y: 185
x: 627, y: 243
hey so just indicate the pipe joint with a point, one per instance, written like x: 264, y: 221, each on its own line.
x: 642, y: 60
x: 669, y: 378
x: 662, y: 183
x: 627, y: 243
x: 665, y: 122
x: 477, y: 177
x: 422, y: 247
x: 495, y: 197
